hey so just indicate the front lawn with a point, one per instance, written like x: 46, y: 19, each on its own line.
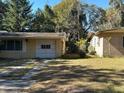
x: 93, y: 75
x: 15, y: 69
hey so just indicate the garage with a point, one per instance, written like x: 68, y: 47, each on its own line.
x: 45, y: 49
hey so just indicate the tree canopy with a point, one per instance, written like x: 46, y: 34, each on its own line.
x: 71, y: 16
x: 2, y: 12
x: 115, y: 13
x: 77, y: 18
x: 44, y: 20
x: 17, y: 16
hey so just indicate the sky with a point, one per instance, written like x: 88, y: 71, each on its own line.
x: 40, y: 3
x: 100, y: 3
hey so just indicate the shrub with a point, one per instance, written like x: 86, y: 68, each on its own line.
x: 79, y: 54
x: 82, y: 54
x: 71, y: 56
x: 72, y: 48
x: 80, y: 43
x: 91, y: 50
x: 76, y: 49
x: 92, y: 53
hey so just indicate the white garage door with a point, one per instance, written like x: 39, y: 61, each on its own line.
x: 45, y: 49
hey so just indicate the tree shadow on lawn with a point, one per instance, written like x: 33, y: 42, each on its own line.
x: 64, y: 75
x: 14, y: 69
x: 52, y: 61
x: 16, y: 74
x: 62, y: 62
x: 78, y: 90
x: 13, y: 62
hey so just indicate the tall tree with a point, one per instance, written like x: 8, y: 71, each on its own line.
x: 17, y: 16
x: 2, y: 12
x: 78, y: 18
x: 44, y: 20
x: 67, y: 18
x: 116, y: 3
x: 62, y: 11
x: 49, y: 25
x: 95, y: 16
x: 38, y: 20
x: 116, y: 12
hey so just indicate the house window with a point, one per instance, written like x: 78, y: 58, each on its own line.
x: 18, y: 45
x: 45, y: 46
x: 11, y: 45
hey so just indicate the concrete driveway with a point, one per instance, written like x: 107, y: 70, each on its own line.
x: 15, y: 75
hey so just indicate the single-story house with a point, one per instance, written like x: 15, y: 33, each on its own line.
x: 31, y: 45
x: 109, y: 43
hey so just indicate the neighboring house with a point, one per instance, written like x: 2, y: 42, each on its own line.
x: 109, y: 43
x: 31, y: 45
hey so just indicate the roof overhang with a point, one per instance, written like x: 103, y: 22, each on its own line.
x: 110, y: 32
x: 30, y: 35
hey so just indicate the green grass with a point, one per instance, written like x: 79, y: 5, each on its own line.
x: 94, y: 75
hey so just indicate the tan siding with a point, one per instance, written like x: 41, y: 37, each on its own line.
x: 60, y: 47
x: 106, y: 48
x: 64, y: 47
x: 30, y: 51
x: 31, y: 48
x: 117, y: 46
x: 12, y: 54
x: 113, y: 46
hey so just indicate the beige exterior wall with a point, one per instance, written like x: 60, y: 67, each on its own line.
x: 110, y: 45
x: 113, y: 45
x: 60, y: 47
x: 29, y: 49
